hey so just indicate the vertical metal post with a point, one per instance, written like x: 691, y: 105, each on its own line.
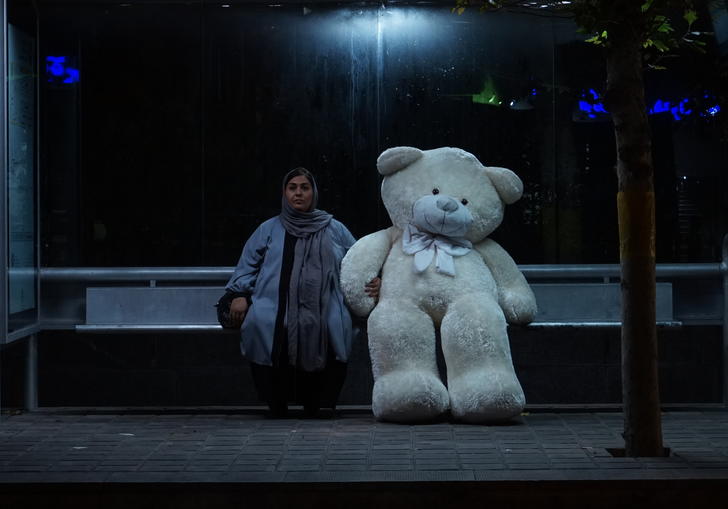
x: 31, y: 373
x: 3, y: 183
x: 724, y: 271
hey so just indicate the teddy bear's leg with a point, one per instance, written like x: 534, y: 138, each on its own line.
x: 481, y: 379
x: 407, y: 386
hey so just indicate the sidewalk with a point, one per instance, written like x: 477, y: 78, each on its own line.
x: 96, y: 451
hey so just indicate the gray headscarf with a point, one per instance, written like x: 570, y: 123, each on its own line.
x: 312, y: 278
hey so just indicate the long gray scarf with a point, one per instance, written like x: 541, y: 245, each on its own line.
x: 312, y: 279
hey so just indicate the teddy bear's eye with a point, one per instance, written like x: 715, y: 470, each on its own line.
x: 464, y: 201
x: 436, y: 191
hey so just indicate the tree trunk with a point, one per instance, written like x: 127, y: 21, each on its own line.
x: 636, y: 213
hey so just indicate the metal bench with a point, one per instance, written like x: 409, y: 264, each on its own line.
x: 151, y: 309
x: 592, y: 305
x: 190, y: 308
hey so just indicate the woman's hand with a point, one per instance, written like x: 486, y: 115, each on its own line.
x: 238, y: 309
x: 372, y: 288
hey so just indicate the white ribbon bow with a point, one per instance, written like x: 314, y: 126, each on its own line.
x: 425, y: 246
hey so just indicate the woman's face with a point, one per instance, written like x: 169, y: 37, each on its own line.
x: 299, y: 193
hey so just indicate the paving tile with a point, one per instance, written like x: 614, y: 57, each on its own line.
x: 214, y: 457
x: 347, y: 454
x: 393, y: 466
x: 239, y: 467
x: 346, y: 468
x: 73, y: 466
x: 619, y: 465
x: 709, y: 465
x: 435, y: 454
x: 163, y: 466
x: 256, y: 461
x: 166, y: 456
x: 568, y: 455
x: 437, y: 466
x: 575, y: 460
x: 506, y: 451
x: 296, y: 467
x: 196, y: 467
x: 570, y: 465
x: 529, y: 466
x: 483, y: 466
x: 122, y: 461
x: 303, y: 457
x: 351, y: 461
x: 391, y: 461
x: 477, y: 458
x: 26, y: 468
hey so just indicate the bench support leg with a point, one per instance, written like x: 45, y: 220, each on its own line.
x: 724, y: 270
x: 31, y: 373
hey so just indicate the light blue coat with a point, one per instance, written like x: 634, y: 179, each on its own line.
x: 258, y: 274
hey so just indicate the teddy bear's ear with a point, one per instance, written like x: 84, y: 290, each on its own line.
x: 507, y: 183
x: 396, y: 158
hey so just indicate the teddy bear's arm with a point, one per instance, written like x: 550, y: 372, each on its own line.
x: 514, y: 295
x: 362, y: 263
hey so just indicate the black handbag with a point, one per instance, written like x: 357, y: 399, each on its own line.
x: 223, y: 310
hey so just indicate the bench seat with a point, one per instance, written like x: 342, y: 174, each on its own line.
x: 149, y: 309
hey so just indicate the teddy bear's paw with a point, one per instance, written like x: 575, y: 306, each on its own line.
x: 408, y: 396
x: 519, y: 308
x: 486, y: 396
x: 361, y: 305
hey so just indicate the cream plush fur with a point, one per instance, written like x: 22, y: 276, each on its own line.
x: 470, y: 308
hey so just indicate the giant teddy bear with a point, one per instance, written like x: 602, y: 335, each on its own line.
x: 440, y: 270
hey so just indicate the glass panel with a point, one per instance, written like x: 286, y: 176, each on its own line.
x: 22, y: 259
x: 170, y: 148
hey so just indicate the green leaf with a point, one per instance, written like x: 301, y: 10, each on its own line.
x: 665, y: 28
x: 604, y: 34
x: 690, y: 16
x: 646, y: 6
x: 594, y: 40
x: 661, y: 46
x: 658, y: 67
x: 647, y: 43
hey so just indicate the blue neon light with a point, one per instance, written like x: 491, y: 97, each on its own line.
x: 660, y: 107
x: 585, y: 106
x: 60, y: 72
x: 678, y: 110
x: 54, y: 65
x: 591, y: 108
x: 73, y: 75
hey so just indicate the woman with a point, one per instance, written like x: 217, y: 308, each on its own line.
x: 296, y: 329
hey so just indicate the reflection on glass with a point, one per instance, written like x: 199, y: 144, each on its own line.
x: 21, y: 177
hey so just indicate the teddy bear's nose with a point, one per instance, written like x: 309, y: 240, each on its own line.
x: 447, y: 204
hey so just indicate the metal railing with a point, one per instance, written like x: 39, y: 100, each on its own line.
x: 222, y: 274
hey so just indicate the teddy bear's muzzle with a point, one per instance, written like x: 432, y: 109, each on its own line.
x: 441, y: 215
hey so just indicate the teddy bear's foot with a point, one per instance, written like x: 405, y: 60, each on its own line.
x: 407, y: 396
x: 486, y: 396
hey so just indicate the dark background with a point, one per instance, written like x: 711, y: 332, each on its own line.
x: 170, y: 149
